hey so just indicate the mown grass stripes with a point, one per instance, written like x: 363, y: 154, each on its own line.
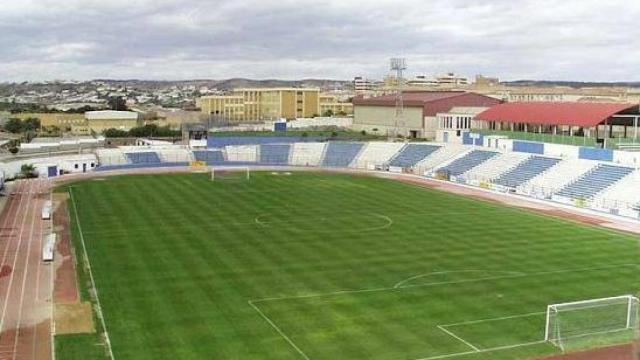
x: 178, y: 258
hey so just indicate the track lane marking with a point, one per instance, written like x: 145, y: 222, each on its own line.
x: 9, y: 287
x: 29, y: 255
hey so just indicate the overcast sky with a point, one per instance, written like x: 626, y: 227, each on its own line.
x: 595, y: 40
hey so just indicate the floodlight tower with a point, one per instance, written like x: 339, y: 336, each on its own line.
x: 399, y: 65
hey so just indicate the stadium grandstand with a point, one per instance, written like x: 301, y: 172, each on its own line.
x: 580, y: 176
x: 258, y: 189
x: 607, y: 124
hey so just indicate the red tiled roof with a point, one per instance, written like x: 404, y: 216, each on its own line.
x: 409, y: 98
x: 466, y: 100
x: 553, y: 113
x: 432, y: 102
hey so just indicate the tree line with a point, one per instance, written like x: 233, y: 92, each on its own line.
x: 149, y: 130
x: 17, y: 126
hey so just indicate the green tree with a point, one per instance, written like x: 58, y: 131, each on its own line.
x: 13, y: 125
x: 117, y: 103
x: 115, y: 133
x: 328, y: 113
x: 31, y: 124
x: 28, y: 171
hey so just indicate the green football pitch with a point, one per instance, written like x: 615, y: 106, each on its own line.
x: 328, y: 266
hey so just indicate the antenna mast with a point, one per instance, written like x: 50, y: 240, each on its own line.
x: 399, y: 65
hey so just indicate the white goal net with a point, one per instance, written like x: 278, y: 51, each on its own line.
x: 230, y: 174
x: 592, y: 322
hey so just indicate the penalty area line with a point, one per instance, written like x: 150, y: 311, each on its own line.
x: 276, y: 328
x: 463, y: 281
x: 494, y: 319
x: 498, y: 348
x: 450, y: 333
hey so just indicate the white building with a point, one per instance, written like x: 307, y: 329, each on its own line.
x: 452, y: 79
x: 361, y: 84
x: 454, y: 123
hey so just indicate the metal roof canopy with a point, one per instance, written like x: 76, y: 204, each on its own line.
x: 562, y: 113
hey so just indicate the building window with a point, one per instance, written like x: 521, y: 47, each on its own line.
x: 75, y: 166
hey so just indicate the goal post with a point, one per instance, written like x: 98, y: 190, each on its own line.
x: 230, y: 173
x: 592, y: 321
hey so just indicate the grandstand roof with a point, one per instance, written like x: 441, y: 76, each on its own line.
x: 432, y: 102
x: 554, y: 113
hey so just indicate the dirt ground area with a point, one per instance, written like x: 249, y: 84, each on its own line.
x: 71, y: 315
x: 76, y: 318
x: 618, y: 352
x: 65, y: 286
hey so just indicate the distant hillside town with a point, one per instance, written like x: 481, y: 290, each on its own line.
x: 133, y: 108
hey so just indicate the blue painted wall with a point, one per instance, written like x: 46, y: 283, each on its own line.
x: 52, y: 171
x: 596, y: 154
x: 528, y: 147
x: 467, y: 140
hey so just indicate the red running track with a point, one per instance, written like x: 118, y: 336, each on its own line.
x: 26, y: 283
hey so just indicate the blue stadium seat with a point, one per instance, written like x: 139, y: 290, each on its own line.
x: 412, y: 154
x: 274, y: 154
x: 211, y: 157
x: 341, y: 154
x: 526, y: 171
x: 594, y: 181
x: 140, y: 166
x: 468, y: 162
x: 147, y: 157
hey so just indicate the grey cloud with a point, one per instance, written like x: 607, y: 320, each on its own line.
x: 572, y: 39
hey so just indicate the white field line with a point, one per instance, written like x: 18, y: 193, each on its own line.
x: 93, y: 283
x: 15, y: 259
x: 399, y: 285
x: 384, y: 217
x: 340, y: 292
x: 257, y: 220
x: 27, y: 268
x: 494, y: 319
x: 443, y: 327
x: 458, y: 338
x: 475, y: 350
x: 253, y: 223
x: 276, y: 328
x: 498, y: 348
x: 599, y: 333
